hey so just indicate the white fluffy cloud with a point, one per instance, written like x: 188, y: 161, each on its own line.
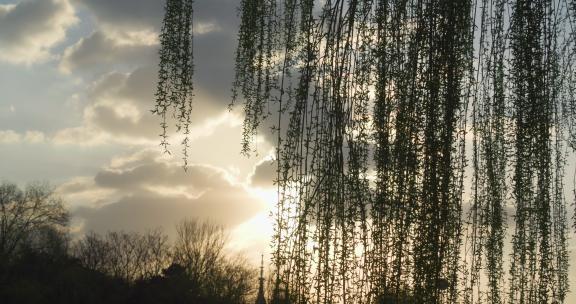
x: 13, y: 137
x: 31, y: 28
x: 9, y: 137
x: 118, y: 108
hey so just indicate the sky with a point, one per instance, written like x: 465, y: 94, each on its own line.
x: 77, y: 83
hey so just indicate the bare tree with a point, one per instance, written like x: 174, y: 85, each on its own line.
x: 51, y: 240
x: 155, y: 252
x: 130, y: 256
x: 200, y: 249
x: 92, y: 251
x: 236, y: 281
x: 22, y: 212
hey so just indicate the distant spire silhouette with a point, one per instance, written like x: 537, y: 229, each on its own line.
x: 261, y: 299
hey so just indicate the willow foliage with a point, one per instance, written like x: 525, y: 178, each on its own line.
x: 348, y: 78
x: 175, y: 87
x: 411, y: 135
x: 491, y: 128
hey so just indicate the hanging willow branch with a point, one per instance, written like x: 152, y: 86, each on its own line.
x: 175, y: 88
x: 319, y: 65
x: 416, y: 64
x: 490, y: 149
x: 369, y: 102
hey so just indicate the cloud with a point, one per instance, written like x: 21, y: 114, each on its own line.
x: 13, y: 137
x: 148, y: 210
x: 161, y: 174
x: 264, y: 174
x: 126, y: 15
x: 100, y: 50
x: 144, y: 191
x: 148, y: 14
x: 127, y: 35
x: 118, y: 105
x: 34, y: 137
x: 30, y: 29
x: 9, y: 137
x: 82, y: 191
x: 118, y: 109
x: 81, y: 136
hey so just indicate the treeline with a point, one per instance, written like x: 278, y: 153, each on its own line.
x: 40, y: 263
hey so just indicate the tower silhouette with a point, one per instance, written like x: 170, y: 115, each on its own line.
x: 261, y: 299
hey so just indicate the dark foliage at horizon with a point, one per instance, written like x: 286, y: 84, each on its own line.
x: 40, y: 264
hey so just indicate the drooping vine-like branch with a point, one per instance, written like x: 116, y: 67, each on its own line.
x: 369, y: 104
x: 175, y: 87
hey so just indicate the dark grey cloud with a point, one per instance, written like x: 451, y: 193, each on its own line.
x: 112, y: 82
x: 147, y: 210
x: 198, y: 177
x: 141, y: 85
x: 150, y: 193
x: 138, y: 85
x: 136, y: 15
x: 221, y: 12
x: 29, y: 29
x: 126, y: 13
x: 214, y: 64
x: 264, y: 174
x: 98, y: 52
x: 216, y: 23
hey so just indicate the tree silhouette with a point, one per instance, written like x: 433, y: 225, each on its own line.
x: 121, y: 267
x: 199, y: 248
x: 24, y: 214
x: 128, y: 256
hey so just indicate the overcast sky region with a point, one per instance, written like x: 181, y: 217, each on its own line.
x: 77, y: 83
